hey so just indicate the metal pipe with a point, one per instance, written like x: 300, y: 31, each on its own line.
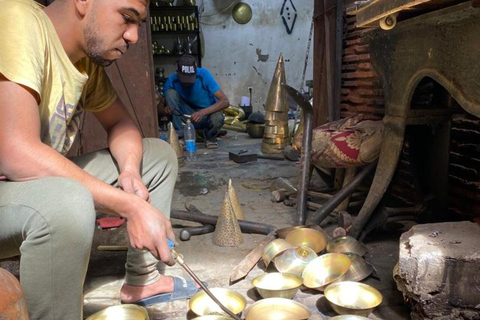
x: 306, y: 150
x: 341, y: 195
x: 245, y: 226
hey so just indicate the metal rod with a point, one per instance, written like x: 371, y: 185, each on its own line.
x: 179, y: 259
x: 341, y: 195
x: 306, y: 150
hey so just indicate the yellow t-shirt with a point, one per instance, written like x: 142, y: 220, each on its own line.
x: 32, y: 55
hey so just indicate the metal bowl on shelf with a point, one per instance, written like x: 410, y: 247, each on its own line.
x: 201, y: 304
x: 121, y: 312
x: 277, y: 309
x: 353, y: 298
x: 277, y: 285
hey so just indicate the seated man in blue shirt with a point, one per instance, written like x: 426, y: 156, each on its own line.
x: 193, y: 91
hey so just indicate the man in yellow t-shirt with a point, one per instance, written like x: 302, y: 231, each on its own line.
x: 51, y: 71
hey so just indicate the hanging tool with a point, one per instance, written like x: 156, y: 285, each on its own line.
x: 179, y: 259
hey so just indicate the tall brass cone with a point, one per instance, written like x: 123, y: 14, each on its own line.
x: 232, y: 196
x: 276, y: 115
x: 227, y: 231
x: 172, y: 138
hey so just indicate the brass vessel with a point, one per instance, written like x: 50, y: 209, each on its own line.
x: 343, y: 244
x: 277, y: 309
x: 121, y: 312
x: 294, y: 260
x: 273, y: 249
x: 307, y: 237
x: 354, y: 298
x: 201, y: 304
x: 276, y: 284
x: 327, y: 268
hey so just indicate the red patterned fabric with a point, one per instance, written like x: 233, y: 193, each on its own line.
x: 348, y: 142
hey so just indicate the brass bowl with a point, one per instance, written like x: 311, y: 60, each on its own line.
x: 242, y: 13
x: 307, y: 237
x: 277, y: 309
x: 212, y: 317
x: 203, y: 305
x: 343, y: 244
x: 325, y: 269
x: 359, y: 269
x: 294, y: 260
x: 255, y: 130
x: 273, y: 249
x: 348, y: 317
x: 277, y: 285
x: 121, y: 312
x: 354, y: 298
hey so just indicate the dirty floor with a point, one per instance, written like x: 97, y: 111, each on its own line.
x: 203, y: 183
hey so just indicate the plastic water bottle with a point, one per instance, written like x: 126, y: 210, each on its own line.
x: 189, y: 136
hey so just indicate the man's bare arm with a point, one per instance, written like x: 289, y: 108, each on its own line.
x: 221, y: 104
x: 23, y: 157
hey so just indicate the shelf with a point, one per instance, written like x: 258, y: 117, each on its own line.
x: 171, y: 55
x: 166, y: 9
x: 196, y: 31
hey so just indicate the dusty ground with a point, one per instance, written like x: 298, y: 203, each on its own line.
x: 214, y: 264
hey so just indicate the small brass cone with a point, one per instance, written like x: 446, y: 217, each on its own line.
x: 172, y: 139
x: 277, y: 96
x: 227, y: 231
x: 232, y: 196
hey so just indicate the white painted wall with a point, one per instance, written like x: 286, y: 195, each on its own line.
x: 231, y: 48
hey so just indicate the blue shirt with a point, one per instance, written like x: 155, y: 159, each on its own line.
x: 200, y: 94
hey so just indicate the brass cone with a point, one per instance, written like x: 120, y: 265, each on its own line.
x: 172, y: 139
x: 227, y: 231
x: 276, y: 115
x: 232, y: 196
x: 277, y: 96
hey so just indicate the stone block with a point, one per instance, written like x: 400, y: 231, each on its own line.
x: 438, y: 270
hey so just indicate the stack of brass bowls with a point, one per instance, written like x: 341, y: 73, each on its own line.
x: 307, y: 237
x: 353, y: 298
x: 325, y: 269
x: 202, y: 305
x: 294, y: 260
x: 277, y: 309
x: 121, y: 312
x: 277, y: 285
x: 276, y: 136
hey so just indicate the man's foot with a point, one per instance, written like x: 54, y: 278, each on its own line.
x: 222, y: 133
x: 129, y: 294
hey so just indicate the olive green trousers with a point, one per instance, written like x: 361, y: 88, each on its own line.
x: 50, y: 223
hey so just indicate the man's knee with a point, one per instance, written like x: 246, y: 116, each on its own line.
x: 172, y: 97
x: 217, y: 119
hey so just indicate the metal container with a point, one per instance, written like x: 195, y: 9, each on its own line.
x: 121, y: 312
x: 242, y: 13
x: 307, y: 237
x: 343, y: 244
x: 353, y: 298
x: 277, y: 309
x: 359, y: 269
x: 273, y: 249
x: 294, y: 260
x: 212, y: 317
x: 255, y: 130
x: 325, y: 269
x: 277, y: 285
x: 201, y: 304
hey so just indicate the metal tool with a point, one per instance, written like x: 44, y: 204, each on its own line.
x: 179, y: 259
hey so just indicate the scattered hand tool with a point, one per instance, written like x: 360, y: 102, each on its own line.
x: 179, y: 258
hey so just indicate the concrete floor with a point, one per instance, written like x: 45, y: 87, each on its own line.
x: 214, y: 264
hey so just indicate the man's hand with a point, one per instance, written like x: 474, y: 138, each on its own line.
x: 149, y: 229
x: 131, y: 183
x: 198, y: 116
